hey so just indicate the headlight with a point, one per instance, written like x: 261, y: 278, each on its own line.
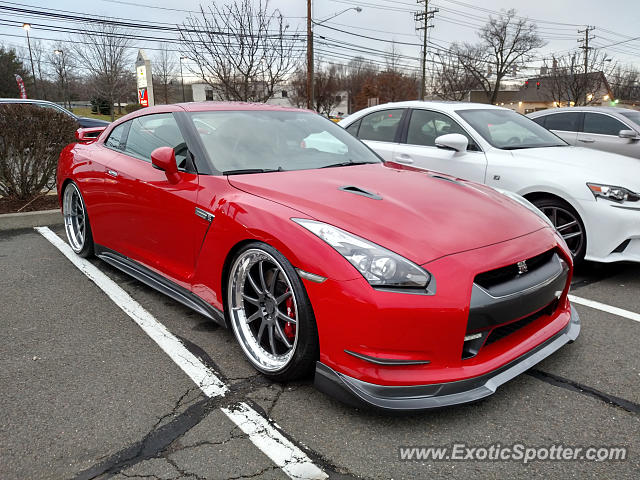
x: 379, y: 266
x: 526, y: 203
x: 615, y: 194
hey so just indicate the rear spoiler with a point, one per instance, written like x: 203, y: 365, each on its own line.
x: 88, y: 135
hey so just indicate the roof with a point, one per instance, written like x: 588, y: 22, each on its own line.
x: 447, y: 105
x: 25, y: 100
x: 586, y: 108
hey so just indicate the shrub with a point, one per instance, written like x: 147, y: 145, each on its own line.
x: 132, y: 107
x: 31, y: 139
x: 101, y: 106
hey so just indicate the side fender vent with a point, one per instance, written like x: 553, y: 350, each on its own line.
x: 360, y: 191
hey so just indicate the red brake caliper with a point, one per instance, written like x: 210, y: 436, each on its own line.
x: 289, y: 327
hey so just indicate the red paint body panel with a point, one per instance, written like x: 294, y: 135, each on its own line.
x: 456, y: 229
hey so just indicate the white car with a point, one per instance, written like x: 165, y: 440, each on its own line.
x: 591, y: 197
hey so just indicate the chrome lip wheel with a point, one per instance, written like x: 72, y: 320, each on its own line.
x: 263, y: 310
x: 567, y: 225
x: 74, y: 217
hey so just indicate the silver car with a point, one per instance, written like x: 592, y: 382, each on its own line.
x: 611, y: 129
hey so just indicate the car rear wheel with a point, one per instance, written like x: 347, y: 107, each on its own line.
x: 568, y: 224
x: 76, y: 221
x: 270, y: 313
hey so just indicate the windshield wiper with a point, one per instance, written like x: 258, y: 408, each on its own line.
x: 344, y: 164
x: 243, y: 171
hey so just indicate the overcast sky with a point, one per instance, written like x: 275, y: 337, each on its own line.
x: 457, y: 20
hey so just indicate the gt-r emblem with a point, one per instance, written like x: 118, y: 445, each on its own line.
x: 522, y: 267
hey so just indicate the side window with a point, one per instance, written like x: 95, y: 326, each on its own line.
x: 380, y: 126
x: 153, y: 131
x: 540, y: 120
x: 567, y: 122
x: 602, y: 124
x: 353, y: 128
x: 425, y: 126
x: 116, y: 137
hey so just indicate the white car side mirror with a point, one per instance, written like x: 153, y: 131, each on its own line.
x: 452, y: 141
x: 628, y: 134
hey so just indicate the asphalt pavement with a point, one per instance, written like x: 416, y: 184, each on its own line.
x: 86, y: 393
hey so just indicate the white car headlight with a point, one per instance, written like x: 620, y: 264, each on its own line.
x: 615, y: 194
x: 379, y: 266
x: 525, y: 203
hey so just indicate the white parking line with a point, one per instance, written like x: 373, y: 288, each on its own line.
x: 293, y: 461
x: 605, y: 308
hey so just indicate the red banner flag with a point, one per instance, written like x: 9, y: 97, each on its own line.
x: 23, y: 91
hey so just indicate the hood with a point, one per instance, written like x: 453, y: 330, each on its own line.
x: 587, y: 164
x: 419, y: 215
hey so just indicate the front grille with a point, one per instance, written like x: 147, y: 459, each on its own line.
x: 502, y: 331
x: 500, y: 275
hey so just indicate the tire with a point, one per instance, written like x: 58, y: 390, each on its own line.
x: 76, y: 221
x: 568, y: 223
x: 270, y: 313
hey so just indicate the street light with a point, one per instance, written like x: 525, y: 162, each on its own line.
x: 310, y: 56
x: 27, y: 27
x: 182, y: 78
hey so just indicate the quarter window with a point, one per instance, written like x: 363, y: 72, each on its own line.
x: 380, y: 126
x: 153, y: 131
x: 602, y: 124
x: 116, y: 137
x: 567, y: 122
x: 353, y: 128
x: 425, y: 126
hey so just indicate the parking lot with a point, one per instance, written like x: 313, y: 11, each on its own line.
x: 87, y: 393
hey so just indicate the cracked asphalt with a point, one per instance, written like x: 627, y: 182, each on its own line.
x: 85, y: 393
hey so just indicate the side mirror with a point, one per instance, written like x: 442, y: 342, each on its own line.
x: 628, y: 134
x: 452, y: 141
x: 88, y: 135
x: 164, y: 158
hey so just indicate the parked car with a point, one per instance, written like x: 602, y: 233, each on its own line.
x: 609, y: 129
x: 401, y: 289
x: 591, y: 197
x: 83, y: 122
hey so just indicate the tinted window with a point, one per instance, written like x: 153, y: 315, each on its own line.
x: 153, y: 131
x: 540, y: 120
x: 602, y: 124
x: 425, y: 126
x: 568, y: 122
x: 276, y: 140
x: 353, y: 128
x: 115, y: 137
x: 380, y: 126
x: 633, y: 116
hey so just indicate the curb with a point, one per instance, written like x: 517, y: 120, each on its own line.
x: 15, y: 221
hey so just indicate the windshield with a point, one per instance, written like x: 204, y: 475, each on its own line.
x: 633, y: 116
x: 257, y: 141
x: 509, y: 130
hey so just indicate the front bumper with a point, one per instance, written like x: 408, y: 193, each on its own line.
x: 423, y: 397
x: 613, y: 231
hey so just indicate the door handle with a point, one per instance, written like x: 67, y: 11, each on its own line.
x: 586, y: 140
x: 113, y: 173
x: 403, y: 158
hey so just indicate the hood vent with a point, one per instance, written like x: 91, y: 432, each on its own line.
x: 360, y: 191
x: 447, y: 179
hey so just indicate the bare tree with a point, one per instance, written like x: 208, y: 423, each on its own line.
x: 164, y: 70
x: 102, y: 50
x: 327, y: 85
x: 625, y: 83
x: 241, y: 49
x: 358, y: 73
x: 452, y: 80
x: 506, y: 42
x: 61, y: 62
x: 392, y: 58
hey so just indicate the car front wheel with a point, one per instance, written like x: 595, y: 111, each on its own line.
x: 568, y: 224
x: 270, y: 313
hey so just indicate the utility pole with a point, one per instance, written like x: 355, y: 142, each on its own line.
x: 309, y: 57
x: 27, y: 27
x: 424, y: 18
x: 585, y: 45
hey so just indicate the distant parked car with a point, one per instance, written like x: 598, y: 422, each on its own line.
x: 592, y: 198
x: 610, y: 129
x: 83, y: 122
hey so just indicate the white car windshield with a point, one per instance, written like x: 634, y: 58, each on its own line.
x: 252, y: 141
x: 509, y: 130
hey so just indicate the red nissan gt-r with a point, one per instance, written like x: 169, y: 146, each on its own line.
x: 402, y: 289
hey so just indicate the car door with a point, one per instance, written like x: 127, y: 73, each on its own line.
x: 564, y: 124
x: 600, y: 131
x: 418, y: 147
x: 380, y: 130
x: 157, y: 220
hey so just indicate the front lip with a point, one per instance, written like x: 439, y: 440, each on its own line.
x: 424, y: 397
